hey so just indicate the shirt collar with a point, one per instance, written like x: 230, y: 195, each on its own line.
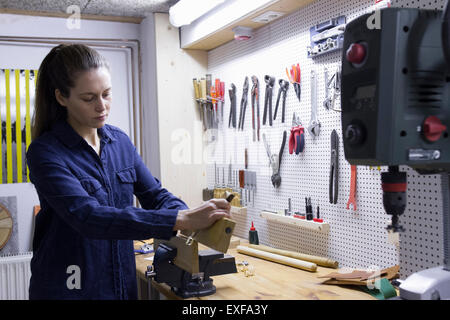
x: 67, y: 135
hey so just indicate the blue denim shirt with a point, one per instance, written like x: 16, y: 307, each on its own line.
x: 87, y: 217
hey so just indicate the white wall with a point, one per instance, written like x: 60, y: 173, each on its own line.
x: 183, y: 169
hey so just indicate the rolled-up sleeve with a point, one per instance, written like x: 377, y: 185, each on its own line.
x: 58, y: 185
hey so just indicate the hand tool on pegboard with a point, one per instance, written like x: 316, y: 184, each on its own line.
x: 221, y: 98
x: 255, y: 101
x: 197, y: 94
x: 314, y: 123
x: 333, y: 84
x: 204, y: 104
x: 232, y: 118
x: 352, y: 197
x: 276, y: 178
x: 308, y: 209
x: 246, y: 176
x: 297, y: 137
x: 273, y: 158
x: 334, y: 168
x: 284, y: 86
x: 208, y: 101
x: 253, y: 115
x: 253, y: 184
x: 295, y: 77
x: 270, y: 81
x: 243, y: 105
x: 242, y: 187
x: 218, y: 98
x: 213, y: 96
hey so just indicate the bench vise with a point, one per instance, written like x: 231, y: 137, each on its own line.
x: 188, y: 271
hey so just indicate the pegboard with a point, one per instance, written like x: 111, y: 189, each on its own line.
x: 357, y: 239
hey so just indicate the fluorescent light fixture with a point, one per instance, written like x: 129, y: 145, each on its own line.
x: 186, y: 11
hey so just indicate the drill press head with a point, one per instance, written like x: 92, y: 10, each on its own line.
x: 395, y: 91
x: 395, y: 96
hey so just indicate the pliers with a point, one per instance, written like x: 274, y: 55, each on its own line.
x: 334, y: 187
x: 232, y: 119
x: 243, y: 104
x: 270, y: 81
x: 284, y: 86
x: 297, y: 137
x: 255, y: 101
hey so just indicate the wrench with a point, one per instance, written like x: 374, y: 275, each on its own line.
x: 314, y: 124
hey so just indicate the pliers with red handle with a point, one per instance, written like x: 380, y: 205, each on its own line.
x: 297, y: 137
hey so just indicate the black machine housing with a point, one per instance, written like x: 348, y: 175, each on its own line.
x: 402, y: 81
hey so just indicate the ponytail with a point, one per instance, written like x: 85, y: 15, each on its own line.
x: 59, y: 70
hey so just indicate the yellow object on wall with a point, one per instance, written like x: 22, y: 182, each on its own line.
x: 17, y: 90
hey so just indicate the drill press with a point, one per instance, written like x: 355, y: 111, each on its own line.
x: 395, y: 101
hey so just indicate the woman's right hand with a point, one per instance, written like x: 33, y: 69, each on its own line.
x: 204, y: 216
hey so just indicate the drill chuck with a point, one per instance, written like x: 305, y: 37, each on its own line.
x: 394, y: 195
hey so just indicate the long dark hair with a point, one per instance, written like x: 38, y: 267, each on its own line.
x: 59, y: 70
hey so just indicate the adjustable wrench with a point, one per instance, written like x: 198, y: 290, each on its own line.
x: 314, y: 124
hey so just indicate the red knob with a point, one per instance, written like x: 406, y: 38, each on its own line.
x: 356, y: 53
x: 433, y: 128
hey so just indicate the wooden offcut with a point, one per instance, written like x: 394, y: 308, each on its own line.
x: 320, y: 261
x: 300, y: 264
x: 360, y: 277
x: 217, y: 236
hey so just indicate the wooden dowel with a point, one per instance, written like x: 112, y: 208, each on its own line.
x: 304, y: 265
x: 320, y: 261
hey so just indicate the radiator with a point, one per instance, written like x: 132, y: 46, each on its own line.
x: 15, y: 276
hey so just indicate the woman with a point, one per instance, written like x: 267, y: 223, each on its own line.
x: 85, y: 173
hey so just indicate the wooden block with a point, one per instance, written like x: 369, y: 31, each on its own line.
x: 217, y: 236
x: 187, y: 255
x: 234, y: 242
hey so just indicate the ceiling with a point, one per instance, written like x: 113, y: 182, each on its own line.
x: 121, y: 8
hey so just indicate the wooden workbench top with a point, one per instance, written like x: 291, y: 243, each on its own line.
x: 271, y: 281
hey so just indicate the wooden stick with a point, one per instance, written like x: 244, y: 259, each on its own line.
x: 320, y: 261
x: 304, y: 265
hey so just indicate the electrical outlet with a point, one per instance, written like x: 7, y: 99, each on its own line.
x: 268, y: 16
